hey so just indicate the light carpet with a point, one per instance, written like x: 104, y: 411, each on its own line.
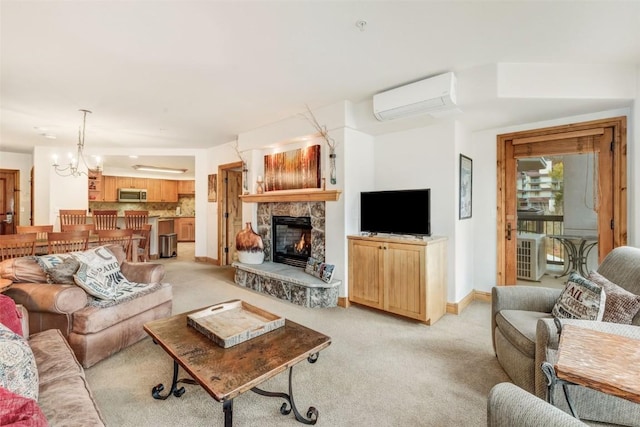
x: 380, y: 370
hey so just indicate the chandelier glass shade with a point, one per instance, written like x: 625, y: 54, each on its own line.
x: 77, y: 165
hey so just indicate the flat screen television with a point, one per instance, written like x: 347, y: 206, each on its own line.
x: 396, y: 212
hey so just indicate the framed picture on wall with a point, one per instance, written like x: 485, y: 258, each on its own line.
x: 213, y: 188
x: 466, y: 186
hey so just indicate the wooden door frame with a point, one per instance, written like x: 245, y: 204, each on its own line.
x: 222, y: 203
x: 505, y: 172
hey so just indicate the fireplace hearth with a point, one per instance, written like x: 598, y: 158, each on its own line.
x: 304, y: 224
x: 291, y: 240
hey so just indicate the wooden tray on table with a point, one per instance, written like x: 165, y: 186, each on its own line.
x: 233, y: 322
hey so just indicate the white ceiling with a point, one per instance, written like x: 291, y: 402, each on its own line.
x: 175, y: 74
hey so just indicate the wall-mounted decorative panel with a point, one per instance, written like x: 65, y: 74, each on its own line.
x: 295, y: 169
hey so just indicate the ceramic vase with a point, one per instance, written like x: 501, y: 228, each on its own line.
x: 249, y: 246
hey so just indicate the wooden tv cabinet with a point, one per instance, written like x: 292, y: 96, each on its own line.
x: 404, y: 276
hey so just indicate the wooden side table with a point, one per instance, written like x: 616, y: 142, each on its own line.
x: 5, y: 284
x: 601, y: 361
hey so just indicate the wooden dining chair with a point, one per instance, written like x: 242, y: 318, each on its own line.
x: 142, y: 249
x: 17, y: 245
x: 122, y: 236
x: 72, y: 216
x: 68, y: 241
x: 42, y: 231
x: 135, y: 219
x: 105, y: 219
x: 91, y: 228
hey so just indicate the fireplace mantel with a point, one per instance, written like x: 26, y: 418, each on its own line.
x: 293, y: 196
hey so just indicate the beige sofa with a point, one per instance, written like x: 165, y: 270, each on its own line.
x: 525, y: 335
x: 94, y: 333
x: 64, y: 395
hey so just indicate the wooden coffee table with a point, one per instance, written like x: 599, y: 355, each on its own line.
x: 227, y: 373
x: 601, y: 361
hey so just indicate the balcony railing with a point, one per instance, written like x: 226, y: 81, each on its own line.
x: 545, y: 224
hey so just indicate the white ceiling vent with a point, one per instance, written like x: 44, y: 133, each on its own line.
x: 432, y: 95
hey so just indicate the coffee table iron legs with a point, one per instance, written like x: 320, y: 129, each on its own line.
x: 227, y: 406
x: 177, y: 392
x: 312, y: 413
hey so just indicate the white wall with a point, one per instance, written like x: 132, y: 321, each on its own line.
x: 216, y: 156
x: 566, y: 81
x: 53, y: 192
x: 424, y: 158
x: 23, y: 163
x: 359, y: 175
x: 463, y: 240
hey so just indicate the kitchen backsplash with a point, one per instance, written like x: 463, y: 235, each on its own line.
x: 187, y: 205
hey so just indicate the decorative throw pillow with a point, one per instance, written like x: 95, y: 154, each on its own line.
x: 10, y: 315
x: 63, y: 273
x: 22, y: 270
x: 319, y: 269
x: 51, y: 260
x: 580, y: 299
x: 99, y: 273
x: 96, y: 282
x: 18, y: 411
x: 621, y: 305
x: 18, y: 372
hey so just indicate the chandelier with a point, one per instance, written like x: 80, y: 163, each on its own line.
x: 73, y: 168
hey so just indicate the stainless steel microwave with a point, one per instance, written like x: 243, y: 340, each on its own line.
x: 134, y: 195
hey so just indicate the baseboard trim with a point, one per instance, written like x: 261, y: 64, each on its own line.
x: 343, y: 302
x: 207, y: 260
x: 458, y: 307
x: 482, y: 296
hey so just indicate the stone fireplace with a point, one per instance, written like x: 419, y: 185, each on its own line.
x: 291, y: 240
x: 314, y: 211
x: 291, y: 232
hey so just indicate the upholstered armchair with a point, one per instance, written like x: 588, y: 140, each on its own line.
x: 525, y: 335
x: 508, y: 405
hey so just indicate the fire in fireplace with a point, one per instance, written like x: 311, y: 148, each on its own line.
x: 291, y: 240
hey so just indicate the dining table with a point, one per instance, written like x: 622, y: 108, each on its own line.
x: 42, y: 245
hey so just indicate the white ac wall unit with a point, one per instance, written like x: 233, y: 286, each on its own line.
x: 432, y: 95
x: 531, y: 256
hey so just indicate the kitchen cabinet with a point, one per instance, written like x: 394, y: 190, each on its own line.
x: 104, y: 188
x: 166, y: 225
x: 131, y: 182
x: 407, y: 277
x: 153, y: 190
x: 186, y: 229
x: 139, y: 183
x: 95, y: 186
x: 187, y: 186
x: 109, y: 189
x: 123, y: 181
x: 168, y: 190
x: 162, y: 190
